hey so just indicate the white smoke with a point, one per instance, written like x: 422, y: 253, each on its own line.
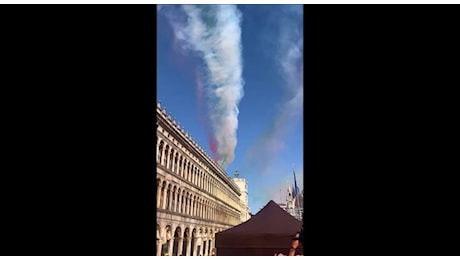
x: 214, y: 32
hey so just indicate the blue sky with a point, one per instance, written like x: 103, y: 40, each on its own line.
x: 232, y: 76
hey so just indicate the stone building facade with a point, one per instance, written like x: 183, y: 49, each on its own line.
x: 243, y: 185
x: 195, y: 197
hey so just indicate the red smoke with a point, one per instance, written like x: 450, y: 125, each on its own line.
x: 213, y: 146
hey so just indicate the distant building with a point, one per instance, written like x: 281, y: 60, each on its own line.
x: 283, y: 205
x: 195, y: 196
x: 293, y: 205
x: 243, y: 185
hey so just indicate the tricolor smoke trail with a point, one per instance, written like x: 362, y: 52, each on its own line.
x: 214, y: 33
x: 203, y: 115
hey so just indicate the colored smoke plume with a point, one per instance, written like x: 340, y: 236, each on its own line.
x: 213, y: 32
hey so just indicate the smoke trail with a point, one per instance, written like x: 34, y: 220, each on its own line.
x: 214, y: 33
x: 289, y: 60
x: 203, y: 115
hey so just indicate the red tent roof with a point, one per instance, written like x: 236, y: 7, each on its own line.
x: 268, y: 232
x: 271, y: 219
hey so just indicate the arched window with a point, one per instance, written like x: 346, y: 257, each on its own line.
x: 162, y: 200
x: 187, y: 204
x: 193, y: 174
x: 178, y: 198
x: 185, y: 240
x: 171, y: 159
x: 158, y: 189
x: 168, y: 196
x: 180, y: 170
x: 201, y: 180
x: 186, y: 169
x: 160, y: 152
x: 166, y: 153
x: 177, y: 236
x: 183, y: 203
x: 173, y: 201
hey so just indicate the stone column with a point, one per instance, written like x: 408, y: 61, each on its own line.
x: 193, y: 211
x: 211, y: 246
x: 159, y: 194
x: 183, y: 167
x: 162, y: 156
x: 159, y: 247
x: 175, y: 201
x: 200, y: 214
x: 185, y: 204
x: 206, y: 247
x: 168, y: 165
x: 166, y: 158
x: 176, y: 162
x: 170, y: 198
x: 170, y: 246
x: 188, y: 246
x: 180, y: 203
x: 192, y: 206
x: 158, y: 150
x: 201, y: 248
x: 180, y: 245
x: 182, y: 170
x: 164, y: 196
x: 186, y: 169
x: 195, y: 247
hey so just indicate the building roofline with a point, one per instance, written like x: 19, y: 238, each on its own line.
x: 198, y: 150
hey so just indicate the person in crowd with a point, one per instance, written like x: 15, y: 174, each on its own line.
x: 296, y: 241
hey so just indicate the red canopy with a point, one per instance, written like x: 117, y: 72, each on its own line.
x: 268, y: 232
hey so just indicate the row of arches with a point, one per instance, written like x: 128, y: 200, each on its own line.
x: 185, y: 240
x: 182, y: 165
x: 180, y: 200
